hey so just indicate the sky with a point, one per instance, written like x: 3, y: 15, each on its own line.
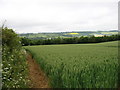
x: 33, y: 16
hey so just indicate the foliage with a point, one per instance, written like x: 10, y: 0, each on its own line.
x: 79, y: 65
x: 75, y: 40
x: 14, y: 67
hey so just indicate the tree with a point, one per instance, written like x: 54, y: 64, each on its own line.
x: 10, y: 39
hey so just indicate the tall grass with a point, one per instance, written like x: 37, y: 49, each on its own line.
x: 80, y: 65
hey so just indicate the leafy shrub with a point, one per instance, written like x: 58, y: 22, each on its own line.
x: 14, y: 67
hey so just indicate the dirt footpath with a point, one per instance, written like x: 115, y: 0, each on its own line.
x: 36, y: 75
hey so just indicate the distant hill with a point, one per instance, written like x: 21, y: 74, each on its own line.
x: 68, y: 34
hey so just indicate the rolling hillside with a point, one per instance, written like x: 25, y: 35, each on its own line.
x: 67, y: 34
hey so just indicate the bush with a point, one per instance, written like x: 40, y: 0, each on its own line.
x: 14, y: 67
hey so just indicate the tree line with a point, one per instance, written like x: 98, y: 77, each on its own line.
x: 74, y: 40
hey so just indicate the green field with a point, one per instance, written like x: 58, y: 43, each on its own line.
x: 79, y: 65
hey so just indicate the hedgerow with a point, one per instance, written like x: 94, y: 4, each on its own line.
x: 14, y: 66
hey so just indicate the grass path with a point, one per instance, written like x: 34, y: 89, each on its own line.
x: 37, y: 77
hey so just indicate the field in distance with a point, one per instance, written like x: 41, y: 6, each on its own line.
x: 67, y: 34
x: 79, y: 65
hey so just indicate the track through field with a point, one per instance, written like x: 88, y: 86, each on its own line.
x: 37, y: 77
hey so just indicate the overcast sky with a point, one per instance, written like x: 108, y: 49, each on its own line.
x: 26, y: 16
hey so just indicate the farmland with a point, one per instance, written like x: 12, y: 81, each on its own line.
x: 67, y: 34
x: 79, y: 65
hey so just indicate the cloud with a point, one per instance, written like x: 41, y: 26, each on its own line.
x: 59, y: 15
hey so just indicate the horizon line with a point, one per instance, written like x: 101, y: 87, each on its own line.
x: 67, y: 31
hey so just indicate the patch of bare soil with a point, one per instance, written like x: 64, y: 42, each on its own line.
x: 37, y: 77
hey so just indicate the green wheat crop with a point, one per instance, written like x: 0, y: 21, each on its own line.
x: 79, y: 65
